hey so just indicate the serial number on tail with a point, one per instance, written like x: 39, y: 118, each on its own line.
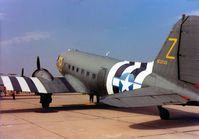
x: 159, y: 61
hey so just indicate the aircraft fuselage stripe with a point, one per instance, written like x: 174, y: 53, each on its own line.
x: 39, y: 85
x: 15, y: 83
x: 23, y: 84
x: 140, y: 77
x: 7, y: 83
x: 122, y: 68
x: 138, y: 70
x: 127, y: 73
x: 119, y: 73
x: 131, y: 68
x: 31, y: 85
x: 111, y: 74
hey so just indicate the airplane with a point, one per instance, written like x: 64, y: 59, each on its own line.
x: 172, y: 78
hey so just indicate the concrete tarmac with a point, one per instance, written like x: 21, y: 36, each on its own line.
x: 71, y: 118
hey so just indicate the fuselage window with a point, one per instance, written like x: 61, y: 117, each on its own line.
x: 69, y: 66
x: 87, y: 73
x: 93, y: 76
x: 82, y: 71
x: 73, y: 67
x: 77, y: 69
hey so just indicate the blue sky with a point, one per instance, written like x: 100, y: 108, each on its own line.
x: 130, y: 29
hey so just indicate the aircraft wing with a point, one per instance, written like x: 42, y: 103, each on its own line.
x: 149, y: 96
x: 36, y: 84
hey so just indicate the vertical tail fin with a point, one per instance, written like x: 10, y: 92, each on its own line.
x: 179, y: 57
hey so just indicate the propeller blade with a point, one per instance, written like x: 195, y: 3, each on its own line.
x: 38, y: 63
x: 22, y: 72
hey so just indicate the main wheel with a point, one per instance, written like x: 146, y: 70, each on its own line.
x: 98, y: 98
x: 164, y: 113
x: 45, y: 100
x: 45, y: 105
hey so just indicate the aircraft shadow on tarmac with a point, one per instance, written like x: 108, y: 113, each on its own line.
x: 57, y: 109
x: 179, y: 118
x: 176, y: 122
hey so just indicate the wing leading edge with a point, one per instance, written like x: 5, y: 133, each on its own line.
x: 149, y: 96
x: 35, y: 84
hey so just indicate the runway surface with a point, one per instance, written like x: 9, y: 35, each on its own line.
x: 70, y: 118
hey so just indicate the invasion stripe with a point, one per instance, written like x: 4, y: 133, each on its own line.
x: 140, y: 78
x: 132, y: 68
x: 7, y: 83
x: 66, y: 83
x: 119, y: 73
x: 113, y: 70
x: 122, y: 68
x: 23, y: 84
x: 15, y: 83
x: 31, y: 85
x: 138, y: 70
x: 39, y: 85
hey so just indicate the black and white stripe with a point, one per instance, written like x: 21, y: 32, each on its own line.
x: 139, y: 70
x: 122, y: 68
x: 119, y: 73
x: 30, y: 83
x: 23, y: 84
x: 15, y: 83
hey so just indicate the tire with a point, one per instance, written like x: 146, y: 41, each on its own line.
x: 45, y: 105
x: 164, y: 114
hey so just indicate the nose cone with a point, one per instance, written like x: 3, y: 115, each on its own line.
x: 62, y: 59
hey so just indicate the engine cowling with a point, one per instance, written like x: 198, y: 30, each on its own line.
x: 43, y: 73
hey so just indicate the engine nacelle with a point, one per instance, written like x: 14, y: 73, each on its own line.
x: 43, y: 73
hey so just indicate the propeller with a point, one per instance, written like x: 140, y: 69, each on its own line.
x: 38, y: 63
x: 41, y: 72
x: 22, y: 72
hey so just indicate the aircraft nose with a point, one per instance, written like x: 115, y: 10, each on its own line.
x: 60, y: 63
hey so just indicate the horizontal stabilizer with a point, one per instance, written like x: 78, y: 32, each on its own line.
x: 36, y: 84
x: 149, y: 96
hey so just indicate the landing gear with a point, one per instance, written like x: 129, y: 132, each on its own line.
x: 98, y: 98
x: 164, y: 113
x: 45, y: 100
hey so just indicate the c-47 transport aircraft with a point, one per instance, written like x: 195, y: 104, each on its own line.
x: 172, y: 78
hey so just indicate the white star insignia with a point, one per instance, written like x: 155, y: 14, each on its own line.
x: 126, y: 84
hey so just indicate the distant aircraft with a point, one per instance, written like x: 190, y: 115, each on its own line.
x: 172, y: 78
